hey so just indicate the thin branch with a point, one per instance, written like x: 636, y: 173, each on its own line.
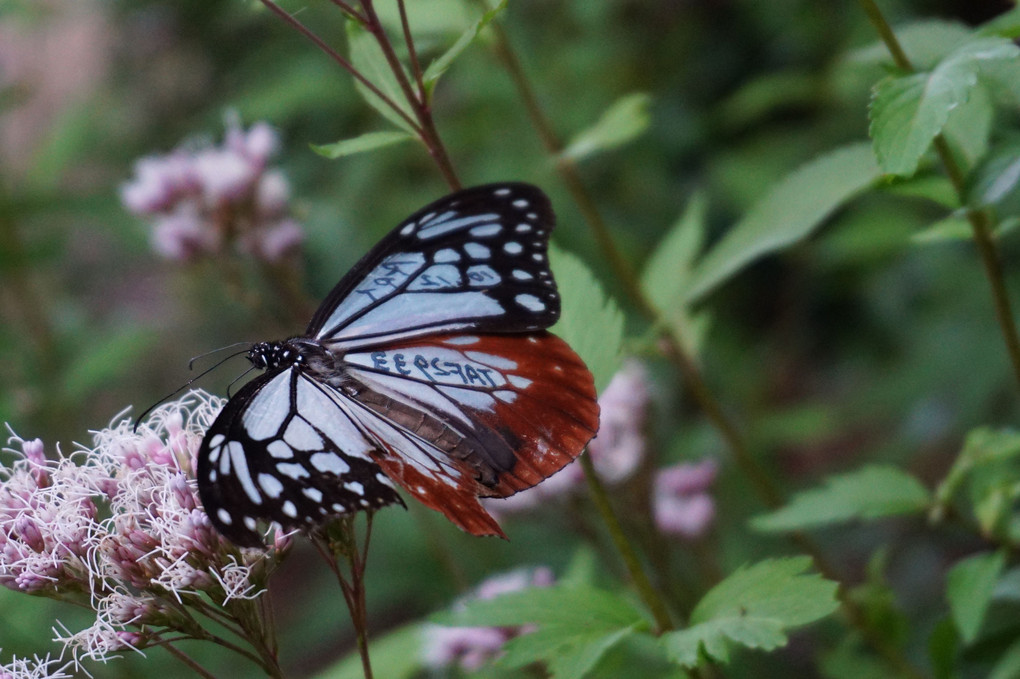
x: 625, y: 548
x: 346, y: 65
x: 412, y: 53
x: 427, y: 128
x: 187, y: 660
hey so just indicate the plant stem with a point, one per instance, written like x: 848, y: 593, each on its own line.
x: 981, y: 223
x: 340, y: 540
x: 346, y: 65
x: 625, y: 548
x: 426, y: 125
x: 187, y: 660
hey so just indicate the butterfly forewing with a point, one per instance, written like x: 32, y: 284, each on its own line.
x: 284, y: 450
x: 473, y: 261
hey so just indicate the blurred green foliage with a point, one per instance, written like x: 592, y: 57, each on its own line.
x: 870, y: 339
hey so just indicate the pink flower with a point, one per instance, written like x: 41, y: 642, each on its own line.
x: 681, y: 502
x: 473, y: 647
x: 146, y: 554
x: 203, y: 199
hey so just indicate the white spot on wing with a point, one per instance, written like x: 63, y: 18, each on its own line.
x: 216, y: 441
x: 270, y: 485
x: 518, y: 381
x: 407, y: 230
x: 242, y: 473
x: 313, y: 494
x: 501, y: 362
x: 267, y: 411
x: 250, y: 523
x: 477, y: 251
x: 502, y: 192
x: 292, y: 471
x: 530, y: 302
x: 520, y: 203
x: 224, y: 516
x: 446, y: 255
x: 329, y: 463
x: 355, y: 487
x: 513, y: 248
x: 289, y: 509
x: 522, y: 275
x: 300, y: 435
x: 505, y: 396
x: 462, y: 339
x: 523, y: 228
x: 443, y: 224
x: 485, y: 230
x: 280, y: 450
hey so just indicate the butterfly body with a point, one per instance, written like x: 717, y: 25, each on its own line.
x: 427, y: 367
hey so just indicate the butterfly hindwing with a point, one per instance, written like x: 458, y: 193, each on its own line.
x: 283, y: 450
x: 468, y: 416
x: 473, y: 261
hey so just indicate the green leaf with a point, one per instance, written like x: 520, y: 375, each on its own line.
x: 667, y: 274
x: 577, y: 625
x: 438, y: 67
x: 754, y: 607
x: 549, y: 607
x: 907, y: 112
x: 395, y: 655
x: 984, y: 446
x: 1006, y: 25
x: 969, y: 128
x: 790, y: 211
x: 567, y: 654
x: 622, y: 122
x: 368, y: 58
x: 969, y: 587
x: 950, y: 229
x: 365, y: 142
x: 933, y: 187
x: 871, y: 492
x: 590, y: 321
x: 997, y: 180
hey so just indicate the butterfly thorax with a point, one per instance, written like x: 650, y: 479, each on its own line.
x: 293, y: 351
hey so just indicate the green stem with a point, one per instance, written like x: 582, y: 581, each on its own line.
x: 625, y: 548
x: 187, y: 660
x: 981, y: 224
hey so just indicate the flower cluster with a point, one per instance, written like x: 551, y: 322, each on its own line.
x: 681, y: 500
x: 472, y: 647
x: 119, y: 528
x: 35, y: 668
x: 207, y: 198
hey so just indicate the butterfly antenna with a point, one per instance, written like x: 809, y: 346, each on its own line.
x: 195, y: 378
x: 191, y: 363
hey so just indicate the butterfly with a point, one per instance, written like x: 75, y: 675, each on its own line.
x: 427, y: 367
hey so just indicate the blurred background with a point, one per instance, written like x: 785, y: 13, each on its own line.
x: 856, y: 345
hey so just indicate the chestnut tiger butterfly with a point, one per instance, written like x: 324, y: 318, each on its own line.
x: 427, y: 367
